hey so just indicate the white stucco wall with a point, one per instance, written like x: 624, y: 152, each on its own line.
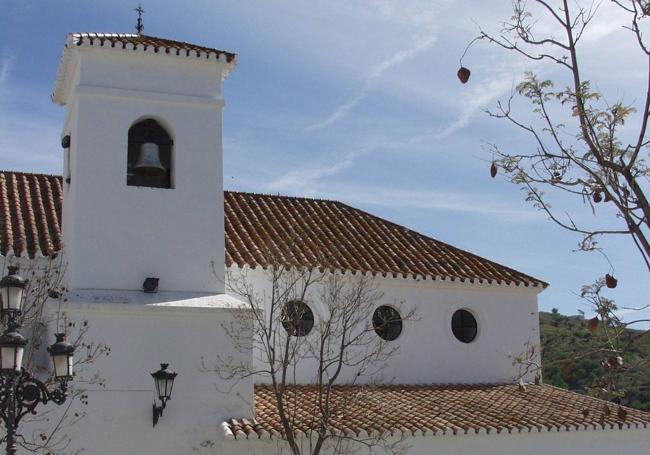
x: 117, y: 235
x: 597, y: 442
x: 428, y: 351
x: 182, y: 330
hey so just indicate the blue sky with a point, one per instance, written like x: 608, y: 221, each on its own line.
x: 350, y: 100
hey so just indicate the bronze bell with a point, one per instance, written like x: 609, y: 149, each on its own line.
x: 149, y: 161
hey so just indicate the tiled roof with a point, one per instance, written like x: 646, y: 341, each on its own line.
x: 435, y: 410
x: 157, y: 45
x: 30, y: 214
x: 297, y: 231
x: 311, y: 231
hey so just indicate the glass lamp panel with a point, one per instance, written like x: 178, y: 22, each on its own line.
x: 19, y: 357
x: 70, y: 365
x: 61, y: 365
x: 7, y: 358
x: 161, y: 387
x: 11, y: 357
x: 170, y: 384
x: 12, y: 298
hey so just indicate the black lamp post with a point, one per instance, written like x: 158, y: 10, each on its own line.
x: 164, y: 381
x: 20, y: 392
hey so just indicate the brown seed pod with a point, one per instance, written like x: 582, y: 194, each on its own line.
x: 606, y: 410
x: 610, y: 281
x: 463, y: 74
x: 493, y: 170
x: 622, y: 413
x: 597, y: 197
x: 592, y: 324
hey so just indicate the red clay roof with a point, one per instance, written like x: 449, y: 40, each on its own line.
x: 162, y: 45
x: 436, y: 409
x: 300, y: 231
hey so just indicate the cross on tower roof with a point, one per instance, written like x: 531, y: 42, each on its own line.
x: 139, y: 26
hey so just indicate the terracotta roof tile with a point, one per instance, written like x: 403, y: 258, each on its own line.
x: 435, y: 409
x: 163, y: 45
x: 300, y: 231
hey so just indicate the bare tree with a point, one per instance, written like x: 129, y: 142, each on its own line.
x: 580, y: 150
x: 305, y: 319
x: 44, y: 431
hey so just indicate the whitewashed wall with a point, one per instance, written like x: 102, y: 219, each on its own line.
x: 428, y: 351
x: 185, y: 332
x: 117, y: 235
x: 606, y: 442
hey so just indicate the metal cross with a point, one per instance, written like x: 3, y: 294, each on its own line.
x: 139, y: 26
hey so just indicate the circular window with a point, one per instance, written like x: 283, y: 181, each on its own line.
x: 464, y: 326
x: 387, y: 322
x: 297, y: 318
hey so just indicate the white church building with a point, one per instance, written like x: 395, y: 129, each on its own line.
x: 141, y: 196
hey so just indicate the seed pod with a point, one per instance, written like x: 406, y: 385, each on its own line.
x: 622, y: 413
x: 493, y: 170
x: 592, y: 324
x: 610, y: 281
x: 606, y: 410
x: 463, y: 74
x: 597, y: 197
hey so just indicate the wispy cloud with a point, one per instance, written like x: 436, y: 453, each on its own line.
x: 469, y: 202
x: 6, y: 65
x: 375, y: 73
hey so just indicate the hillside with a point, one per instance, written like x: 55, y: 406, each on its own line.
x: 566, y: 341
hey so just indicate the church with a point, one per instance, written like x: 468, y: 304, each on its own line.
x: 168, y: 268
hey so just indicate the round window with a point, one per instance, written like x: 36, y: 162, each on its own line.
x: 464, y: 326
x: 387, y: 322
x: 297, y: 318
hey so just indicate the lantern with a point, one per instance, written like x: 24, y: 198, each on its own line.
x: 62, y: 354
x: 12, y: 288
x: 12, y: 348
x: 164, y: 381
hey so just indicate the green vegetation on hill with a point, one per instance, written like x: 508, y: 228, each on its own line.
x: 571, y: 360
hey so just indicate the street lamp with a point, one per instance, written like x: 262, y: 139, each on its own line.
x: 12, y: 288
x: 62, y: 354
x: 12, y: 348
x: 21, y: 392
x: 164, y: 381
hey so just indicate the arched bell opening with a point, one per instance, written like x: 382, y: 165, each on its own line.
x: 149, y: 156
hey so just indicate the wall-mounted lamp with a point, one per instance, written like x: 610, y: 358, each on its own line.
x: 65, y: 141
x: 150, y: 285
x: 164, y: 381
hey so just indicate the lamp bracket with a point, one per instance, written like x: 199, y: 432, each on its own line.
x: 27, y: 392
x: 157, y: 412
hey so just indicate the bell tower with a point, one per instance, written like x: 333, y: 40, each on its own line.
x: 143, y: 179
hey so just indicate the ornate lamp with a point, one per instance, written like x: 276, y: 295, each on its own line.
x: 12, y: 348
x: 62, y: 354
x: 12, y: 287
x: 164, y: 381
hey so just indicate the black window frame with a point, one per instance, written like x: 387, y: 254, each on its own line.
x: 297, y: 318
x: 464, y: 325
x: 387, y: 323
